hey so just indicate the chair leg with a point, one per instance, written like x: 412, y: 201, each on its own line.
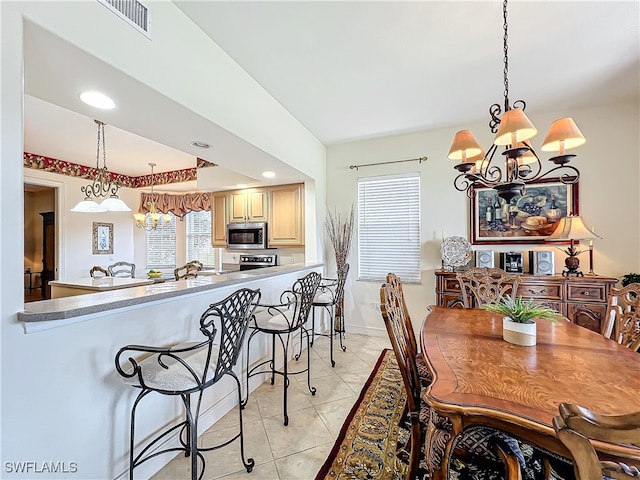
x: 313, y: 326
x: 285, y: 377
x: 311, y: 389
x: 331, y: 311
x: 132, y: 465
x: 273, y: 359
x: 249, y: 462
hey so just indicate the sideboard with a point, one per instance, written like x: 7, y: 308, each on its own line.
x: 583, y: 300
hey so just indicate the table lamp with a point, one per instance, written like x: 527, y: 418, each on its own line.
x: 572, y: 228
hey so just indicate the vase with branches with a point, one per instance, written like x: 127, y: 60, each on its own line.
x: 340, y: 232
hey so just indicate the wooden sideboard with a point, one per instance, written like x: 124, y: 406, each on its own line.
x: 583, y: 300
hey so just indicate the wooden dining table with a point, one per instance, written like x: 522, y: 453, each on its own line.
x: 480, y: 379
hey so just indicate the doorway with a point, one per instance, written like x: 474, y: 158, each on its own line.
x: 39, y: 241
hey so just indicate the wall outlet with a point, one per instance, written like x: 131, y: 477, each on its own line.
x: 290, y: 259
x: 234, y: 258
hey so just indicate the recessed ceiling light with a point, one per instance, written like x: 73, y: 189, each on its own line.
x: 268, y: 174
x: 203, y: 145
x: 98, y: 100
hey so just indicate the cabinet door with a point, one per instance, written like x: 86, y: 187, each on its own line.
x: 256, y: 205
x: 588, y: 315
x: 219, y: 219
x: 286, y: 216
x: 238, y: 206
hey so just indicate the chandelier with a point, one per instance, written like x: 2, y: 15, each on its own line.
x: 157, y: 220
x: 521, y: 163
x: 102, y: 189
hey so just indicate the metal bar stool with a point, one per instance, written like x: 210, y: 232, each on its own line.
x: 282, y: 321
x: 190, y: 368
x: 330, y: 294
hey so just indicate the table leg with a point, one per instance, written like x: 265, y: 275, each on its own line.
x: 439, y: 438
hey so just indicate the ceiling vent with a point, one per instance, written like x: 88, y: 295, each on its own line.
x: 133, y: 12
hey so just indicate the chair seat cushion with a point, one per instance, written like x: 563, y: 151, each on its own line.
x: 279, y: 322
x: 323, y: 298
x: 176, y: 378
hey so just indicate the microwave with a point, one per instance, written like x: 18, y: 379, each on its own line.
x: 247, y: 236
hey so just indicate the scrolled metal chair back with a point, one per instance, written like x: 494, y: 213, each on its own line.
x: 301, y: 295
x: 122, y: 269
x: 234, y: 314
x: 98, y: 271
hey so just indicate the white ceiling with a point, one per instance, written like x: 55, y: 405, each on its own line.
x: 349, y: 71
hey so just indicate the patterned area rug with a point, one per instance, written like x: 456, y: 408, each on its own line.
x: 366, y: 445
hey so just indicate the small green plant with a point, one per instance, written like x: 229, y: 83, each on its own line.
x: 522, y: 311
x: 630, y: 278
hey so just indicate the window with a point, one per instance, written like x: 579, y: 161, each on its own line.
x: 199, y: 238
x: 389, y: 227
x: 161, y: 245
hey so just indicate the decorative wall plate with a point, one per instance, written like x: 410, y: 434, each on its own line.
x: 455, y: 251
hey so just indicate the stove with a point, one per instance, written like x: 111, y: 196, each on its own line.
x: 251, y: 262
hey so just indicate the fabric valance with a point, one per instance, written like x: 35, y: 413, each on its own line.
x: 179, y: 205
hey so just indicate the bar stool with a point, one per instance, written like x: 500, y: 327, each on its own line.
x: 190, y: 368
x: 283, y: 320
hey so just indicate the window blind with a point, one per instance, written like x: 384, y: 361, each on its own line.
x: 389, y: 227
x: 161, y: 245
x: 199, y: 238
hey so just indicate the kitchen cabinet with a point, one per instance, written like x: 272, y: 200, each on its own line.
x: 286, y: 216
x: 583, y: 300
x: 249, y: 205
x: 219, y: 219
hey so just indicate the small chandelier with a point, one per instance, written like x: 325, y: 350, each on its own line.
x: 103, y: 188
x: 157, y: 220
x: 514, y: 130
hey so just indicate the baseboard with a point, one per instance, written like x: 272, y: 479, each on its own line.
x: 363, y: 330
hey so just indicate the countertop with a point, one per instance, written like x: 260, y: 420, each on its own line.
x: 92, y: 303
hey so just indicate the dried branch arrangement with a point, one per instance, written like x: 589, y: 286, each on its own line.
x: 340, y: 231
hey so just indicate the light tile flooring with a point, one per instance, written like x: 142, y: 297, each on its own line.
x: 298, y: 450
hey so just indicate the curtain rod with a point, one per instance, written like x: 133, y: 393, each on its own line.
x: 419, y: 160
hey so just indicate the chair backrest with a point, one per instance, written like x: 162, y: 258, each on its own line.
x: 622, y: 321
x: 301, y: 298
x: 395, y: 285
x: 393, y: 313
x: 197, y: 263
x: 122, y: 269
x: 486, y: 285
x: 233, y: 313
x: 576, y: 426
x: 189, y: 270
x: 98, y: 271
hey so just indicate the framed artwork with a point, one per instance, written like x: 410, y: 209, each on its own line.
x: 102, y: 238
x: 528, y: 218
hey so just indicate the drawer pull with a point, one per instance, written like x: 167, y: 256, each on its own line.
x: 457, y: 285
x: 534, y: 292
x: 586, y: 294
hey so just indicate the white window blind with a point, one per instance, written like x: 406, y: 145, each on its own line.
x: 199, y: 238
x: 389, y: 227
x: 161, y: 245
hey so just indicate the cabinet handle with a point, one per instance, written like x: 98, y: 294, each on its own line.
x: 586, y: 294
x: 533, y: 292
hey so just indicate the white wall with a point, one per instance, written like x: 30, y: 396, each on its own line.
x: 609, y: 197
x: 57, y: 387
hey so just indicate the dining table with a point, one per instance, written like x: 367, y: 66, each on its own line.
x: 85, y: 285
x: 480, y: 379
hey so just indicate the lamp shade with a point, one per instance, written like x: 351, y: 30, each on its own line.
x: 514, y: 127
x: 88, y: 206
x: 114, y: 204
x: 572, y: 228
x: 563, y: 134
x: 464, y: 147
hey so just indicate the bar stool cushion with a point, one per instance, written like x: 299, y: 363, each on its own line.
x: 282, y: 321
x: 176, y: 377
x: 323, y: 297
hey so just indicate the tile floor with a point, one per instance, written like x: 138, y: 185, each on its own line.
x: 298, y: 450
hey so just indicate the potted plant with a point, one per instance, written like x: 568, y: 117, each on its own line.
x: 630, y: 278
x: 518, y: 326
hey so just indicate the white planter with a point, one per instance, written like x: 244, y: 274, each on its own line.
x: 519, y: 333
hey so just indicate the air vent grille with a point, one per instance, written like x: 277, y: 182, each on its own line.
x: 132, y: 11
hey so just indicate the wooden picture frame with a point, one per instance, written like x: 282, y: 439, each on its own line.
x: 527, y: 219
x: 102, y: 238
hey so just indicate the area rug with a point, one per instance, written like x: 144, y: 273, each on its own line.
x: 366, y: 445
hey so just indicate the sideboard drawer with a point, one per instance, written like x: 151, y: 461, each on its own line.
x: 551, y: 291
x: 586, y: 293
x: 452, y: 285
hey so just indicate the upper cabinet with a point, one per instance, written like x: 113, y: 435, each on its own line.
x: 219, y: 219
x: 286, y: 216
x: 248, y: 205
x: 282, y: 207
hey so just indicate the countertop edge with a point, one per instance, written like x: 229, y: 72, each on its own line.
x: 63, y: 314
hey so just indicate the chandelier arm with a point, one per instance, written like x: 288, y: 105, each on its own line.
x: 566, y: 178
x: 464, y: 182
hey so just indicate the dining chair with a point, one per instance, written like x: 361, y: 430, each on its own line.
x: 122, y: 269
x: 282, y: 321
x: 197, y: 263
x: 622, y: 320
x: 98, y: 271
x: 188, y: 270
x: 576, y: 426
x: 394, y: 315
x: 329, y: 296
x: 188, y: 369
x: 484, y: 285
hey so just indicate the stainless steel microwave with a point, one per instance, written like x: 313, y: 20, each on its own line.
x: 247, y: 236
